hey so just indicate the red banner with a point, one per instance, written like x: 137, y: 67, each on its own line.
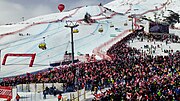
x: 5, y: 92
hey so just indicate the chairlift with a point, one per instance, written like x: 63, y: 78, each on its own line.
x: 125, y: 24
x: 130, y: 19
x: 42, y: 45
x: 100, y: 30
x: 118, y: 29
x: 75, y: 31
x: 111, y: 25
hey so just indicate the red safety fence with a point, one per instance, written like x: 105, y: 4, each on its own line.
x: 98, y: 51
x: 5, y: 92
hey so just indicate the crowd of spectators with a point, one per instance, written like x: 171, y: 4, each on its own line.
x: 144, y: 77
x: 131, y: 75
x: 49, y: 76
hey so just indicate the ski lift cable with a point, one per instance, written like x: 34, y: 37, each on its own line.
x: 53, y: 34
x: 65, y: 43
x: 34, y: 46
x: 29, y: 41
x: 28, y: 37
x: 46, y: 49
x: 55, y: 46
x: 34, y: 39
x: 87, y: 43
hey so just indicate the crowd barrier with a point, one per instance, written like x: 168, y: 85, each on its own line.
x: 98, y: 50
x: 38, y: 87
x: 78, y: 95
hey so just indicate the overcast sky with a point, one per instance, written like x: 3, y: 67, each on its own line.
x: 13, y: 10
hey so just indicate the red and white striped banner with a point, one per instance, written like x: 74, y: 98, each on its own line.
x: 5, y: 92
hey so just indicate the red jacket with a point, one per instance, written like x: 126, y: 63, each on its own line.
x: 8, y: 99
x: 17, y: 97
x: 60, y: 97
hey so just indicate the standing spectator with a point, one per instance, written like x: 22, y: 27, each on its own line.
x: 44, y: 93
x: 17, y: 97
x: 8, y: 98
x: 59, y: 97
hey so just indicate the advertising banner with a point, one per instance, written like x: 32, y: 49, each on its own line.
x: 5, y: 92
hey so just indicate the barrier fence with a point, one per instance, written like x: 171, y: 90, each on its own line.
x: 36, y: 89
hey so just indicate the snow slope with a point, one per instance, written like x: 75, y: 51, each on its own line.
x: 57, y: 37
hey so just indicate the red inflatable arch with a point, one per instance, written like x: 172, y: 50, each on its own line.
x: 20, y: 55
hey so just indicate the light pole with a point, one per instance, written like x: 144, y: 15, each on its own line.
x: 132, y: 16
x: 71, y: 25
x: 132, y: 23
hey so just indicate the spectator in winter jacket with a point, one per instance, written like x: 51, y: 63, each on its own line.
x: 44, y: 93
x: 17, y: 97
x: 8, y: 98
x: 59, y: 97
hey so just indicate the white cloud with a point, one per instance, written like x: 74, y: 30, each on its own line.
x: 40, y: 10
x: 84, y: 2
x: 12, y: 12
x: 8, y: 11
